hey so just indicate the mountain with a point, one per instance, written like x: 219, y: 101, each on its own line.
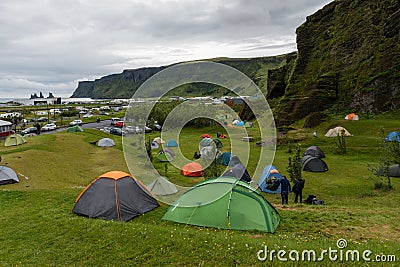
x: 125, y: 84
x: 348, y: 59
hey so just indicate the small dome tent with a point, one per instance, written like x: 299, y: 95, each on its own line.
x: 224, y: 203
x: 192, y: 169
x: 105, y: 142
x: 269, y: 181
x: 8, y: 175
x: 352, y: 117
x: 313, y: 164
x: 314, y: 151
x: 238, y: 171
x: 393, y: 137
x: 14, y: 140
x: 162, y: 187
x: 114, y: 195
x: 334, y: 132
x: 172, y: 143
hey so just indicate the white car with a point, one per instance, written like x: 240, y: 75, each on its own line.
x: 87, y: 115
x: 75, y: 122
x: 49, y: 127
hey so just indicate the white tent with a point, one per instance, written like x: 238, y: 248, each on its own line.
x: 105, y: 142
x: 159, y: 140
x: 7, y: 176
x: 334, y: 132
x: 162, y: 187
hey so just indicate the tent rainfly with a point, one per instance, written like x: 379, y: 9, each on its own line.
x: 172, y: 143
x: 313, y: 164
x: 352, y: 117
x: 238, y: 171
x: 192, y: 169
x: 159, y: 140
x: 269, y: 181
x: 224, y: 203
x: 105, y: 142
x: 8, y: 175
x: 162, y: 187
x: 14, y: 140
x: 314, y: 151
x: 74, y: 129
x: 334, y: 132
x: 115, y: 195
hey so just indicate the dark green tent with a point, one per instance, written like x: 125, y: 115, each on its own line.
x: 163, y: 157
x: 74, y: 129
x: 225, y: 203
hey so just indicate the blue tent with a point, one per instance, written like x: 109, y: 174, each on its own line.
x: 269, y: 181
x: 172, y: 143
x: 393, y: 137
x: 241, y: 123
x: 224, y: 158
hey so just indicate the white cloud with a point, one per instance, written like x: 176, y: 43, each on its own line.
x: 51, y: 45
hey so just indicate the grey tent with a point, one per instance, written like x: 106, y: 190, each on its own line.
x: 105, y: 142
x: 115, y: 195
x: 162, y: 187
x: 393, y: 171
x: 154, y: 145
x: 314, y: 151
x: 8, y: 176
x: 206, y: 142
x: 238, y: 171
x: 167, y: 150
x: 313, y: 164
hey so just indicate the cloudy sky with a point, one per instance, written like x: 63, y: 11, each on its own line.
x: 48, y: 45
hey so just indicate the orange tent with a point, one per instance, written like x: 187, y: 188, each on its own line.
x: 205, y: 136
x: 352, y: 117
x: 192, y: 169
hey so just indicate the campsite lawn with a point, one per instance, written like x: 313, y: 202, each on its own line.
x: 37, y: 227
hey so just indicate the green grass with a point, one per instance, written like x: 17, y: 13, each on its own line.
x: 37, y: 227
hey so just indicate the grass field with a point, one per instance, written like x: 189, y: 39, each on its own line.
x: 37, y: 227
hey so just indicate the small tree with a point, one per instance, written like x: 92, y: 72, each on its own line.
x: 148, y: 149
x: 341, y: 143
x: 213, y: 170
x: 295, y: 166
x: 389, y: 154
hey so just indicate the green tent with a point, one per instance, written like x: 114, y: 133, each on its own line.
x: 14, y: 140
x: 225, y: 203
x: 74, y: 129
x: 163, y: 157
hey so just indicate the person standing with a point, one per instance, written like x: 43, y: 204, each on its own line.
x: 285, y: 189
x: 298, y: 190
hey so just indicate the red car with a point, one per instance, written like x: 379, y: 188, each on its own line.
x: 119, y: 124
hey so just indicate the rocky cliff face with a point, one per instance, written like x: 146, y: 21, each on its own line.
x: 125, y: 84
x: 348, y: 55
x: 121, y: 85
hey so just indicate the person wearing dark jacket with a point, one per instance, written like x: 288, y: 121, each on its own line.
x: 298, y: 190
x: 285, y: 189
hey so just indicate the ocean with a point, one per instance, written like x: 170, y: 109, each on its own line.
x: 30, y: 102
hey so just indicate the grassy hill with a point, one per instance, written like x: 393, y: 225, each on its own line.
x: 37, y: 226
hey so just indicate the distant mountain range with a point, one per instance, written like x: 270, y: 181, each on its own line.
x: 348, y: 58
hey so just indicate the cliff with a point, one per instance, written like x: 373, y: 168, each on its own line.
x: 124, y: 85
x: 348, y: 58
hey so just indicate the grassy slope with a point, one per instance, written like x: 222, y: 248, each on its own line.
x: 38, y: 228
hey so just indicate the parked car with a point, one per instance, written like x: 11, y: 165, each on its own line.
x: 119, y: 124
x: 116, y: 131
x: 42, y: 119
x: 87, y: 115
x: 114, y: 120
x: 29, y: 130
x: 75, y: 122
x: 133, y: 129
x: 49, y: 127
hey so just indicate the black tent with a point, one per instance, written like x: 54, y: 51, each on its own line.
x: 238, y: 171
x: 313, y: 164
x: 115, y: 195
x: 314, y: 151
